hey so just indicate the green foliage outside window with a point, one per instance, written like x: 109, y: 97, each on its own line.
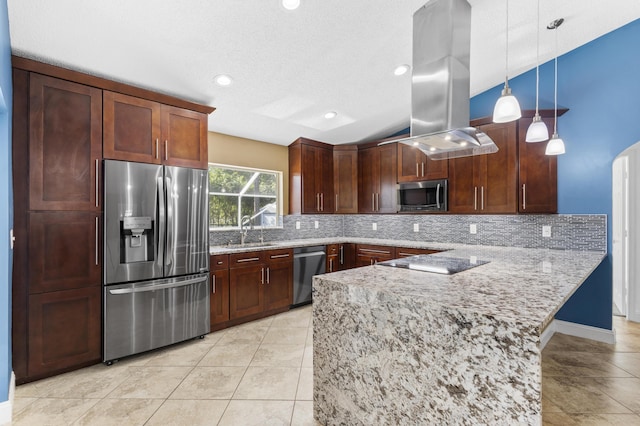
x: 237, y: 192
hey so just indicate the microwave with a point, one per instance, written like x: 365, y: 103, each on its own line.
x: 430, y: 195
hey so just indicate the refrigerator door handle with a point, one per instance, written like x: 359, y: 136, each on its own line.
x: 161, y: 221
x: 170, y: 225
x: 154, y: 287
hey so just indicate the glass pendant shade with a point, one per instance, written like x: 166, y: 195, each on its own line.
x: 555, y: 146
x: 507, y: 108
x: 537, y: 131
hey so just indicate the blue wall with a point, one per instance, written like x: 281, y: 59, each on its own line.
x: 6, y: 202
x: 600, y: 84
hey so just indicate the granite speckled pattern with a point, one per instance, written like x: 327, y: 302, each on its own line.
x: 395, y: 346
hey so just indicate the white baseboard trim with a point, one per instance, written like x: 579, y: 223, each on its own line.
x: 577, y: 330
x: 6, y: 407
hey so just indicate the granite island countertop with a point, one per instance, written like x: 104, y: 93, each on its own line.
x: 397, y: 346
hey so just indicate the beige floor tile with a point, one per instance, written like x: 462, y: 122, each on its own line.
x: 285, y: 336
x: 624, y: 390
x: 579, y: 395
x: 296, y: 318
x: 96, y: 381
x: 549, y: 407
x: 120, y: 412
x: 303, y: 414
x: 188, y: 412
x: 562, y: 419
x: 565, y: 343
x: 305, y: 385
x: 232, y: 355
x: 580, y: 364
x: 628, y: 361
x: 20, y: 404
x: 257, y: 413
x: 307, y: 359
x: 239, y: 335
x: 186, y: 354
x: 259, y: 323
x: 268, y: 383
x: 278, y: 356
x: 53, y: 411
x: 150, y: 382
x: 209, y: 383
x: 627, y: 342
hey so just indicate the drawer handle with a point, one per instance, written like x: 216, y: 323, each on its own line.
x: 213, y: 284
x: 278, y: 256
x: 97, y: 180
x: 374, y: 251
x: 248, y: 259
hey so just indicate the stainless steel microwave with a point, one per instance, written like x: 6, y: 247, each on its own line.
x: 428, y: 195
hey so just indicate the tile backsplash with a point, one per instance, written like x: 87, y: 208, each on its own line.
x: 568, y: 232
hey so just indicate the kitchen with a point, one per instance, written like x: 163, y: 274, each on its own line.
x: 573, y: 173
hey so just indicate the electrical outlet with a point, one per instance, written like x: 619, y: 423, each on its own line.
x: 316, y: 224
x: 297, y: 224
x: 473, y: 260
x: 374, y: 226
x: 546, y: 231
x: 416, y: 227
x: 473, y: 229
x: 546, y: 267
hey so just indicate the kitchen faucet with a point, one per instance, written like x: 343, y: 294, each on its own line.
x: 244, y: 221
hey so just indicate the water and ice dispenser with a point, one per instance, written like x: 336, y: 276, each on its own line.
x: 136, y: 239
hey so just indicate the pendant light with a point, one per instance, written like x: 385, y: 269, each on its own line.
x: 555, y: 145
x: 507, y: 107
x: 537, y: 131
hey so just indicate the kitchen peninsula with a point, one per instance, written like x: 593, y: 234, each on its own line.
x: 397, y: 346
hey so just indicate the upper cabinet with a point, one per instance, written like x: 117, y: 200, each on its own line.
x: 65, y: 144
x: 345, y: 178
x: 415, y: 166
x: 311, y: 177
x: 140, y: 130
x: 377, y: 179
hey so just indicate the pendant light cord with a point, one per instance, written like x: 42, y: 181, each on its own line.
x: 506, y: 56
x: 537, y: 58
x: 555, y: 89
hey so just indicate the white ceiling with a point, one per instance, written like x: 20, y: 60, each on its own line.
x: 290, y: 67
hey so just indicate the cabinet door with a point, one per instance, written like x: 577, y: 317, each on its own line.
x: 538, y: 175
x: 310, y: 177
x: 246, y: 296
x: 408, y: 167
x: 333, y: 263
x: 131, y: 128
x: 184, y: 136
x: 64, y: 330
x: 65, y: 145
x: 433, y: 169
x: 463, y: 186
x: 345, y: 180
x: 368, y: 180
x: 64, y: 251
x: 279, y: 285
x: 387, y: 198
x: 346, y: 256
x: 325, y: 180
x: 498, y: 193
x: 219, y: 297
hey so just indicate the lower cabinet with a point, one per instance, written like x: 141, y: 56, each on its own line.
x: 219, y: 297
x: 406, y: 252
x: 340, y: 257
x: 64, y: 330
x: 367, y: 254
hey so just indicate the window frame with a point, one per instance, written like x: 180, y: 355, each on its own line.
x: 279, y: 195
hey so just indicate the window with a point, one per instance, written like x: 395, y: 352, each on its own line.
x: 236, y: 192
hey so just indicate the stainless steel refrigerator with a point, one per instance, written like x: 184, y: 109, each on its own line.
x: 156, y: 257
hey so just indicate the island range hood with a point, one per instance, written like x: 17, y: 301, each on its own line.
x: 440, y: 83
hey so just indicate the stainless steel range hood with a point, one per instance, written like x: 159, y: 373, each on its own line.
x: 440, y: 83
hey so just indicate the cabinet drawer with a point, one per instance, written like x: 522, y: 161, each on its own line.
x: 281, y: 255
x: 375, y: 251
x: 219, y: 261
x: 406, y: 252
x: 332, y: 249
x: 245, y: 259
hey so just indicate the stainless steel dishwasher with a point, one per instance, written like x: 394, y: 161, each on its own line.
x: 307, y: 262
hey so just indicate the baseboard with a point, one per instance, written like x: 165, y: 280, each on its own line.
x: 585, y: 331
x: 6, y: 407
x: 547, y: 334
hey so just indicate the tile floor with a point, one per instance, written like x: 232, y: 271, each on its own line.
x: 261, y: 374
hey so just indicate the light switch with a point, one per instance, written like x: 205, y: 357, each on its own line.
x: 546, y: 231
x: 297, y: 224
x: 416, y: 227
x: 374, y: 226
x: 316, y: 224
x: 473, y: 229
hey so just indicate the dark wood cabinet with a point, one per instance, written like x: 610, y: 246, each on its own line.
x: 377, y: 179
x: 345, y: 178
x: 340, y: 257
x: 219, y: 297
x: 64, y: 330
x: 407, y: 251
x: 260, y: 281
x: 538, y: 173
x: 486, y: 183
x: 310, y: 177
x: 65, y: 144
x: 367, y: 254
x: 415, y: 166
x: 333, y: 258
x: 64, y: 251
x: 145, y: 131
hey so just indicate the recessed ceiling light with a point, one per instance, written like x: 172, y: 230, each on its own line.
x: 222, y: 80
x: 330, y: 115
x: 290, y: 4
x: 401, y: 69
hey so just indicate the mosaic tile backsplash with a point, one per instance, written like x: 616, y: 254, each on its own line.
x: 568, y: 232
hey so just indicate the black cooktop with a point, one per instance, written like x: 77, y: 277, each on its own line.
x: 435, y: 264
